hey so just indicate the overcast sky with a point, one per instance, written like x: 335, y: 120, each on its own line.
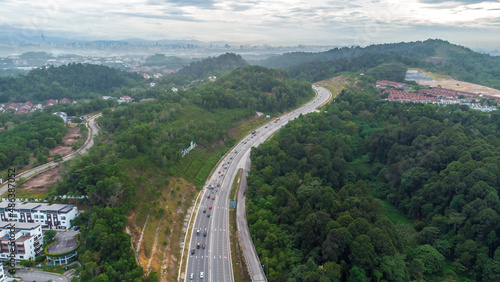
x: 472, y: 23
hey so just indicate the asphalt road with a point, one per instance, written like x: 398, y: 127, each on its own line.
x: 34, y: 171
x: 30, y: 275
x: 66, y: 241
x: 215, y: 260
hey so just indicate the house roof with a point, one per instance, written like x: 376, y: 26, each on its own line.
x: 19, y: 225
x: 28, y: 104
x: 12, y: 106
x: 38, y: 207
x: 22, y: 111
x: 50, y: 102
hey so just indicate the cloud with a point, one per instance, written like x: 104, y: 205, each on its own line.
x: 456, y: 1
x: 203, y: 4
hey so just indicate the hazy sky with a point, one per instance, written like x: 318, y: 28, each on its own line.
x: 472, y: 23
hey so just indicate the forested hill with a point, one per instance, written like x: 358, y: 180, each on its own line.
x: 435, y: 55
x: 253, y: 87
x: 73, y: 81
x: 312, y: 189
x: 207, y: 67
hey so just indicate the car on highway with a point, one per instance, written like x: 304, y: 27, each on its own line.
x: 203, y: 246
x: 202, y: 275
x: 210, y: 207
x: 192, y: 251
x: 213, y: 198
x: 208, y: 215
x: 198, y: 245
x: 198, y: 232
x: 191, y: 276
x: 205, y: 234
x: 204, y: 211
x: 208, y: 197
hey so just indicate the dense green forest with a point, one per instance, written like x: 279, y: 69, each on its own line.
x: 434, y: 55
x: 139, y: 145
x: 382, y: 66
x: 41, y: 132
x: 73, y: 81
x: 318, y: 192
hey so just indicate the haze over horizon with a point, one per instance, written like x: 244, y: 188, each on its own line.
x: 359, y: 22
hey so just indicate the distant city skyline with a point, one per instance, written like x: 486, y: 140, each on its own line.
x: 472, y: 23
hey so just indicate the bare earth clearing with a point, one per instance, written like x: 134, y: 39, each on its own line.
x: 462, y: 86
x: 335, y: 84
x: 70, y: 138
x: 42, y: 181
x: 39, y: 184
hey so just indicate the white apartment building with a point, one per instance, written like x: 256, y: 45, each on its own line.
x: 55, y: 216
x: 28, y: 239
x: 3, y: 278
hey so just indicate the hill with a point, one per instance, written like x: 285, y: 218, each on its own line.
x: 315, y: 190
x: 212, y: 66
x: 435, y: 55
x: 73, y: 81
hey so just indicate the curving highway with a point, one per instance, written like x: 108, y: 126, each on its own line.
x: 92, y: 128
x: 209, y: 257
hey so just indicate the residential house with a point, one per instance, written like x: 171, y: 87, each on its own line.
x: 3, y: 278
x: 22, y: 111
x: 28, y: 105
x: 50, y: 102
x: 56, y: 216
x: 65, y: 100
x: 382, y: 84
x: 63, y: 115
x: 14, y: 106
x: 125, y: 99
x: 27, y: 237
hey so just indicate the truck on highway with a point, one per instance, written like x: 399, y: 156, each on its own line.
x: 276, y: 120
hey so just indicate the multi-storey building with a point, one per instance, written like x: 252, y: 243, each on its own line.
x: 3, y: 278
x: 57, y: 216
x: 28, y: 240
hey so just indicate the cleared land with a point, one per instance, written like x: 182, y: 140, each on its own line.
x: 336, y: 84
x: 73, y: 136
x: 462, y: 86
x: 445, y: 81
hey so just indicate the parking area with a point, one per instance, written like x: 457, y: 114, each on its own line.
x: 66, y: 241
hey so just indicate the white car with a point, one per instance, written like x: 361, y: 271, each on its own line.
x: 202, y: 274
x: 191, y: 276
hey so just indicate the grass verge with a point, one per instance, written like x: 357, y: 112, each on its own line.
x: 236, y: 185
x: 183, y: 263
x: 394, y: 215
x: 53, y: 268
x: 240, y: 270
